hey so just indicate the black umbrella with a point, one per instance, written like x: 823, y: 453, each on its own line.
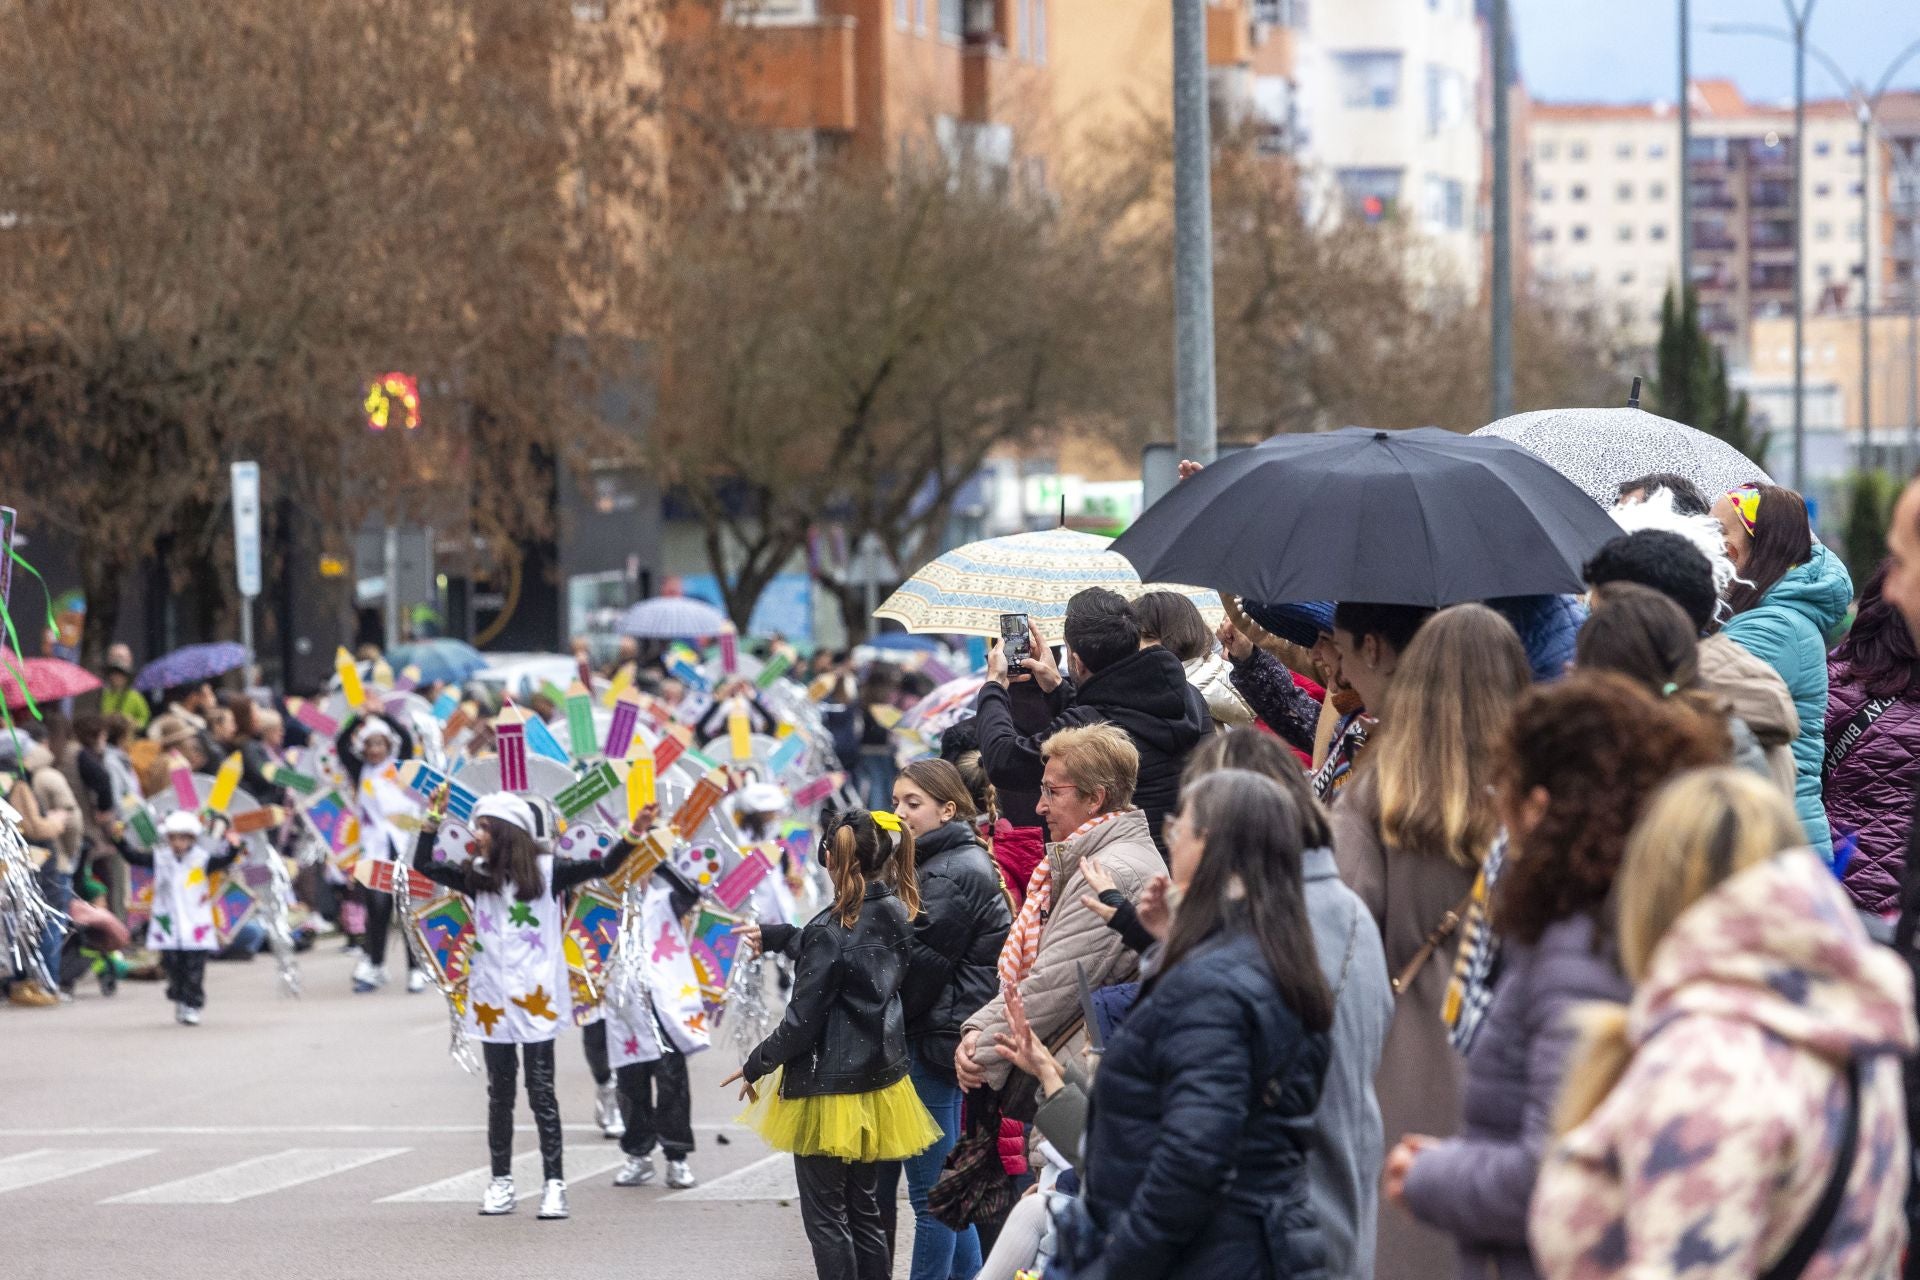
x: 1393, y: 517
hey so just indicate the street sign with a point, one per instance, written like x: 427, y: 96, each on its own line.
x: 246, y: 525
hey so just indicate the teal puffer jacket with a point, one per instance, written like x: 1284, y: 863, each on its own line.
x: 1788, y: 630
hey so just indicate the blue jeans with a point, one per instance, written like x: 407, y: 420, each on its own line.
x: 876, y: 779
x: 58, y: 888
x: 939, y: 1252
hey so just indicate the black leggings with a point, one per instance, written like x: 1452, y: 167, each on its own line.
x: 186, y: 977
x: 842, y: 1218
x: 379, y: 925
x: 593, y: 1038
x: 656, y: 1102
x: 501, y: 1068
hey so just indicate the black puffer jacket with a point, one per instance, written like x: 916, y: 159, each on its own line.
x: 844, y: 1030
x: 1196, y: 1149
x: 1145, y: 693
x: 953, y: 966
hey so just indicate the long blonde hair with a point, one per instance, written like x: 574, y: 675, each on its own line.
x: 1703, y: 828
x: 1445, y: 713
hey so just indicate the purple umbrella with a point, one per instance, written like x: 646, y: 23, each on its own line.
x: 190, y: 665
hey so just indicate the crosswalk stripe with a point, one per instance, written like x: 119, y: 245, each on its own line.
x: 259, y: 1176
x: 31, y: 1168
x: 467, y: 1187
x: 770, y: 1178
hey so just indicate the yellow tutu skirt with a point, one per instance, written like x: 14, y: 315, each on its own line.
x: 885, y: 1124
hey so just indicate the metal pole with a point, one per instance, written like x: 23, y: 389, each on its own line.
x: 1502, y: 280
x: 392, y: 555
x: 1799, y: 248
x: 1193, y: 387
x: 1686, y: 146
x: 246, y: 636
x: 1866, y: 292
x: 1913, y: 322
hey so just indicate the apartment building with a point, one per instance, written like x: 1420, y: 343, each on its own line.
x: 1391, y: 97
x: 1606, y: 208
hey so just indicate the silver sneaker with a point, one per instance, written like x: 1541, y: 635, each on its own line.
x: 553, y: 1201
x: 638, y: 1171
x: 679, y: 1177
x: 190, y: 1016
x: 606, y: 1111
x: 416, y: 981
x: 499, y: 1198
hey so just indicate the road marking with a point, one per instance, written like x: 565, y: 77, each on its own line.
x: 467, y: 1187
x: 770, y: 1178
x: 31, y: 1168
x: 259, y: 1176
x: 323, y: 1130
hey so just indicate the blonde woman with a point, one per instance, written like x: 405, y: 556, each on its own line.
x: 1409, y: 836
x: 1755, y: 1073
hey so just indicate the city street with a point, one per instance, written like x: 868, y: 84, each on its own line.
x: 332, y: 1137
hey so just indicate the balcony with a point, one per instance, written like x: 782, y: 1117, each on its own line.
x: 1229, y: 35
x: 801, y: 75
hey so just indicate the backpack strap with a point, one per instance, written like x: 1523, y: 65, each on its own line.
x: 1806, y: 1244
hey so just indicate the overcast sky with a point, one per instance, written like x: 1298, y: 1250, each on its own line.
x: 1627, y: 50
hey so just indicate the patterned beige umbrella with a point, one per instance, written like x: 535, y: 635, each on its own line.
x: 964, y: 591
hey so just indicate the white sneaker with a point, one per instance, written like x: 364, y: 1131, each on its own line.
x: 638, y: 1171
x: 679, y: 1177
x: 180, y: 1013
x: 190, y: 1016
x: 416, y: 981
x: 553, y: 1201
x: 499, y: 1198
x: 606, y: 1111
x: 367, y: 976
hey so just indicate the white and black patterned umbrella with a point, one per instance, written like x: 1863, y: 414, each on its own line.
x: 1601, y: 449
x: 672, y: 618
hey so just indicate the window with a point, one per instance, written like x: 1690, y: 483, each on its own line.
x: 1577, y: 151
x: 903, y: 13
x: 590, y: 10
x: 1623, y: 233
x: 1368, y: 80
x: 1544, y: 194
x: 1826, y: 271
x: 1854, y: 190
x: 1656, y: 150
x: 1822, y: 190
x: 1543, y: 235
x: 1023, y: 33
x: 1853, y: 148
x: 953, y: 19
x: 1823, y: 148
x: 1853, y: 231
x: 1576, y: 193
x: 1823, y: 231
x: 1623, y: 192
x: 1583, y: 275
x: 1624, y: 151
x: 1656, y: 191
x: 1040, y: 32
x: 1578, y: 233
x: 1371, y: 193
x: 1626, y: 277
x: 1446, y: 99
x: 1444, y: 204
x: 1657, y: 232
x: 1547, y: 151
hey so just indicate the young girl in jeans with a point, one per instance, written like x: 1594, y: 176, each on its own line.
x: 841, y: 1102
x: 517, y: 988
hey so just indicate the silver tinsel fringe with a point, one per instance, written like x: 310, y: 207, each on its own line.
x: 26, y: 911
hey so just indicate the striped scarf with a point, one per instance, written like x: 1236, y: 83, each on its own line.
x: 1477, y: 966
x: 1022, y: 946
x: 1349, y: 740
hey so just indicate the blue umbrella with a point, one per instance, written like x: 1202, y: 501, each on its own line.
x: 672, y: 618
x: 441, y: 661
x: 191, y: 665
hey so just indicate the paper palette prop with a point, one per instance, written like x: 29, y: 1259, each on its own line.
x: 233, y: 906
x: 445, y: 927
x: 592, y: 930
x: 705, y: 862
x: 714, y: 945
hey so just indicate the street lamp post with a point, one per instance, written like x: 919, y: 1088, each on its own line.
x: 1501, y: 280
x: 1193, y: 379
x: 1686, y: 146
x: 1799, y: 18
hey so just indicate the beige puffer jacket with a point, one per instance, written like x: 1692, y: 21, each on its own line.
x: 1213, y: 677
x: 1755, y: 692
x: 55, y: 794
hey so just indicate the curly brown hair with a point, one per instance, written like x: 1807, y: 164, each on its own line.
x: 1599, y: 745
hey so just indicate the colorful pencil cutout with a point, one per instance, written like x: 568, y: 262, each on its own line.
x: 181, y: 774
x: 580, y: 721
x: 510, y: 737
x: 640, y: 785
x: 730, y: 652
x: 626, y: 718
x: 739, y: 730
x: 700, y: 803
x: 349, y: 678
x: 225, y: 783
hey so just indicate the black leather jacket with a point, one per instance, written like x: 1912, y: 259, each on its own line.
x: 844, y: 1030
x: 953, y: 965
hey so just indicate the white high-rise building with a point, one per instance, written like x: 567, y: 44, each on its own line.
x: 1392, y: 91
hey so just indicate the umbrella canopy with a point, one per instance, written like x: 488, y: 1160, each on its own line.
x: 194, y: 663
x: 943, y: 708
x: 904, y: 642
x: 1602, y: 449
x: 441, y: 661
x: 672, y: 618
x: 964, y: 591
x: 48, y: 679
x: 1422, y: 517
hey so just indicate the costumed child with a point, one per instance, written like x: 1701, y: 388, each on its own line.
x: 372, y: 748
x: 842, y: 1103
x: 650, y: 1037
x: 181, y: 926
x: 517, y: 985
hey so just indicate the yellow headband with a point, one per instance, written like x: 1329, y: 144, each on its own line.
x: 886, y: 820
